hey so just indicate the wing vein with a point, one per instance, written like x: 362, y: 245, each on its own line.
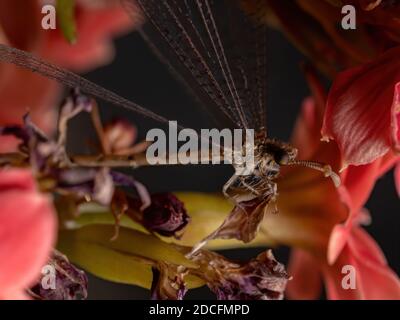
x: 29, y: 61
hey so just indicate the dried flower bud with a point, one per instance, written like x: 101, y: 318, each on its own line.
x: 119, y: 135
x: 262, y: 278
x: 73, y: 104
x: 168, y: 282
x: 166, y: 215
x: 70, y: 282
x: 42, y: 151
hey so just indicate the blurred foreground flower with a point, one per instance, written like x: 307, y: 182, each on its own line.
x: 27, y: 232
x: 20, y: 26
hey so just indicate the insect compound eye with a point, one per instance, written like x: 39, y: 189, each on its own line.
x: 284, y: 159
x: 280, y: 157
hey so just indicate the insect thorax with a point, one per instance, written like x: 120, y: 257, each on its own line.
x: 270, y: 154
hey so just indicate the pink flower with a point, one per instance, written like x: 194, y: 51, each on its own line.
x: 363, y: 113
x: 323, y: 223
x: 350, y: 246
x: 20, y: 26
x: 27, y: 232
x: 363, y: 110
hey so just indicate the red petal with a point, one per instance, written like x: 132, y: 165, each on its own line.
x: 396, y: 117
x: 27, y: 232
x: 306, y: 133
x: 39, y: 97
x: 369, y: 4
x: 337, y: 242
x: 362, y: 109
x: 15, y: 295
x: 374, y: 278
x: 359, y: 182
x: 96, y: 25
x: 16, y: 17
x: 16, y: 179
x: 8, y: 144
x: 365, y: 248
x: 306, y: 283
x: 333, y: 277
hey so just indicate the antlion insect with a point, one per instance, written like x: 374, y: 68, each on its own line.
x: 219, y: 51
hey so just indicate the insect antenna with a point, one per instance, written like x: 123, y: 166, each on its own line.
x: 324, y: 168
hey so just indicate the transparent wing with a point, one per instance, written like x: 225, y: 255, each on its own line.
x: 217, y: 50
x: 28, y: 61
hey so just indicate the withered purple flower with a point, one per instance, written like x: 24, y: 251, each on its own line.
x: 50, y: 162
x: 166, y: 214
x: 35, y: 146
x: 89, y: 184
x: 75, y: 103
x: 70, y: 282
x: 42, y: 152
x: 168, y: 282
x: 262, y: 278
x: 162, y: 213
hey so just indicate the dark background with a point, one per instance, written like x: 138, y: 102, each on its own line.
x: 137, y: 75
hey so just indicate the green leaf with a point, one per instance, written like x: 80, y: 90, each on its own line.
x: 66, y: 17
x: 92, y: 213
x: 126, y: 260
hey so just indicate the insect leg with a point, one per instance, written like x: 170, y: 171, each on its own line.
x: 97, y: 124
x: 273, y: 189
x: 249, y: 187
x: 228, y: 185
